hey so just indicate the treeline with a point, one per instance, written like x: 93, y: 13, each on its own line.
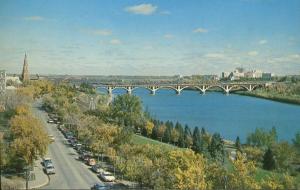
x: 23, y: 138
x: 200, y: 141
x: 197, y: 165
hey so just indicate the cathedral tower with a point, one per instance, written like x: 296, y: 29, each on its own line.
x: 25, y: 74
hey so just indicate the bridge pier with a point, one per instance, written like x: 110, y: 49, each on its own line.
x: 110, y: 89
x: 153, y: 90
x: 129, y: 90
x: 178, y: 90
x: 227, y: 89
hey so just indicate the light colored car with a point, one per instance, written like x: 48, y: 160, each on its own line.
x: 51, y: 137
x: 50, y: 169
x: 91, y: 162
x: 50, y: 121
x: 47, y: 162
x: 107, y: 176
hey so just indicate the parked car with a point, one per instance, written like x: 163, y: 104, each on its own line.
x: 47, y: 162
x: 97, y: 169
x: 99, y: 186
x: 91, y: 162
x: 107, y: 176
x: 50, y: 121
x: 50, y: 169
x: 51, y: 137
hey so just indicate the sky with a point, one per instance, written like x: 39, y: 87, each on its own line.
x: 150, y: 37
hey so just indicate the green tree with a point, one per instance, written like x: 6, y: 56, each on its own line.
x: 296, y: 141
x: 197, y: 144
x: 238, y: 144
x: 269, y: 160
x: 262, y: 138
x: 285, y: 155
x: 127, y: 109
x: 216, y: 147
x: 188, y: 140
x: 168, y: 133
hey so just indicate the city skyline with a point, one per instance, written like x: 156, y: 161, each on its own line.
x: 150, y: 37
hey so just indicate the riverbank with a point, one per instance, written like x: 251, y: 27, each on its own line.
x: 269, y: 96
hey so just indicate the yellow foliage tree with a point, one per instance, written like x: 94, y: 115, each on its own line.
x: 188, y: 169
x: 29, y: 138
x: 148, y: 128
x: 23, y: 109
x: 242, y: 176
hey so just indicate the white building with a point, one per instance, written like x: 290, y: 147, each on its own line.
x: 254, y: 74
x: 2, y: 81
x: 13, y: 79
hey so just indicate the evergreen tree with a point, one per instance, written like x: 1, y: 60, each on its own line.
x: 268, y: 160
x: 154, y: 131
x: 188, y: 140
x: 196, y: 140
x: 181, y: 142
x: 238, y: 144
x: 216, y: 147
x: 167, y: 134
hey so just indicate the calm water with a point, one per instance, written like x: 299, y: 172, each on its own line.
x: 231, y: 115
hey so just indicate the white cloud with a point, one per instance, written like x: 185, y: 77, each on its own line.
x: 34, y: 18
x: 168, y: 36
x: 115, y: 42
x: 142, y: 9
x: 252, y: 53
x: 200, y: 30
x: 165, y: 12
x: 262, y: 42
x: 99, y: 32
x: 214, y: 55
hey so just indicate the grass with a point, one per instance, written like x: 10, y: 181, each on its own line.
x: 138, y: 139
x: 286, y: 98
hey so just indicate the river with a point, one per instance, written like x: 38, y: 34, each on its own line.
x: 230, y: 115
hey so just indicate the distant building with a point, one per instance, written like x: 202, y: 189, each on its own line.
x: 2, y: 81
x: 225, y: 75
x: 13, y: 80
x: 25, y: 73
x: 253, y: 74
x: 267, y: 76
x: 238, y: 72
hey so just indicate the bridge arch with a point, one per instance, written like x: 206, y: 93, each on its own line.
x: 167, y: 87
x: 218, y: 86
x: 102, y: 87
x: 239, y: 86
x: 141, y: 87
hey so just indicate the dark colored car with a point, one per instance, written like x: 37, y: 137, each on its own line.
x: 99, y: 186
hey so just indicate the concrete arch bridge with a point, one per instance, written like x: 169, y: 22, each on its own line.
x: 225, y: 87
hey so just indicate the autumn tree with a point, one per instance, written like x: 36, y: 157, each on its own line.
x: 242, y: 175
x: 29, y: 139
x: 147, y: 128
x: 188, y: 169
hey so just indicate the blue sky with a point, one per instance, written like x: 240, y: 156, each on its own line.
x: 113, y: 37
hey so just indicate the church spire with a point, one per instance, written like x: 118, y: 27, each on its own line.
x: 25, y: 73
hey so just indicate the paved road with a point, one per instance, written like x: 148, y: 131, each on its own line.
x: 70, y: 172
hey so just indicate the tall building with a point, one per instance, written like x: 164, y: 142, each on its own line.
x: 2, y: 81
x: 25, y: 74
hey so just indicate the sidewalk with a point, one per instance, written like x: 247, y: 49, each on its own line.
x: 40, y: 179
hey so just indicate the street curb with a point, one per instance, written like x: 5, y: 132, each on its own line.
x: 42, y: 185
